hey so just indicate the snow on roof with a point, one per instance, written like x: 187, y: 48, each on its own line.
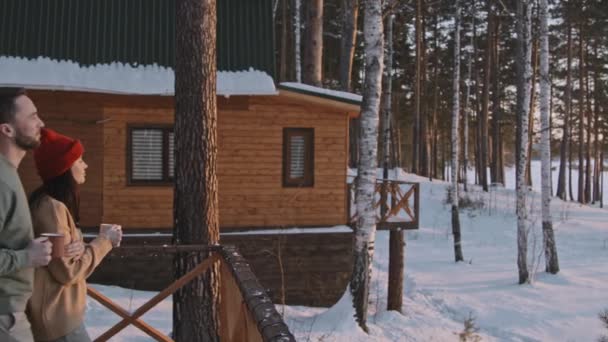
x: 118, y: 78
x: 339, y: 95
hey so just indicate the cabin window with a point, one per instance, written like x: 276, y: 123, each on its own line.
x: 298, y: 157
x: 150, y: 155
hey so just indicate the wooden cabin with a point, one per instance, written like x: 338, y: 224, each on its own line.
x: 282, y: 157
x: 261, y: 141
x: 101, y: 71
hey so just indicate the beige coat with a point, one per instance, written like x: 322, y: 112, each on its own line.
x: 58, y: 301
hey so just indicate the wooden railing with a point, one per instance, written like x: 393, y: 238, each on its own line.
x: 246, y: 311
x: 397, y: 204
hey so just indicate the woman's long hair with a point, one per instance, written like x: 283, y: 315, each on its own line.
x: 64, y: 189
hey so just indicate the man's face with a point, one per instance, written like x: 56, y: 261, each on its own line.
x: 26, y: 124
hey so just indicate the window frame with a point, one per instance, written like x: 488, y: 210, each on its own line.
x: 166, y: 180
x: 308, y: 180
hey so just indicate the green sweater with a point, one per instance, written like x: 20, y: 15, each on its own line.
x: 16, y: 278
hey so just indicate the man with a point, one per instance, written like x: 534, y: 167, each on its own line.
x: 19, y: 252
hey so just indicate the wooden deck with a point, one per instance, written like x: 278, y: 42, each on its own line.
x: 246, y: 311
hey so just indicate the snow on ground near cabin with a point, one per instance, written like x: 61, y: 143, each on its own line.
x: 45, y: 73
x: 440, y: 294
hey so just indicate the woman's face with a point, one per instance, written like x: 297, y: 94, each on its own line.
x: 79, y: 171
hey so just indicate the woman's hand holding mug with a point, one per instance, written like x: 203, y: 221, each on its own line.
x: 112, y: 232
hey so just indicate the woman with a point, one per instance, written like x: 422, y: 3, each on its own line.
x: 57, y: 307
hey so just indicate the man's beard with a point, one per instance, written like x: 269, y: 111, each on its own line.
x: 25, y: 142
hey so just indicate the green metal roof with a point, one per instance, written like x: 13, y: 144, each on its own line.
x: 136, y: 32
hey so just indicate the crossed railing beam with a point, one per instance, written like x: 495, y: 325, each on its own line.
x: 388, y: 207
x: 134, y: 318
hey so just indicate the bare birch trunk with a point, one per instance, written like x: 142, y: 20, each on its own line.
x: 596, y: 127
x: 532, y: 111
x: 551, y: 261
x: 455, y: 136
x: 581, y: 117
x: 524, y: 76
x: 565, y: 144
x: 365, y: 230
x: 498, y: 164
x: 486, y: 106
x: 589, y: 129
x: 467, y: 108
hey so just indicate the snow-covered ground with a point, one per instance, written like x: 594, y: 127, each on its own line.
x: 440, y: 294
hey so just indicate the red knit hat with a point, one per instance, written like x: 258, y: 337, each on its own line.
x: 56, y: 154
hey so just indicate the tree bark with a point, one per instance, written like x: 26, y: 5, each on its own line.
x: 424, y: 115
x: 581, y: 117
x: 497, y: 160
x: 532, y: 112
x: 596, y: 126
x: 455, y: 136
x: 486, y: 105
x: 283, y: 59
x: 433, y: 124
x: 467, y: 108
x: 396, y: 243
x: 196, y: 219
x: 565, y: 144
x: 395, y: 270
x: 297, y: 30
x: 347, y: 53
x: 551, y: 260
x: 589, y: 129
x: 417, y: 91
x: 524, y: 76
x: 348, y: 41
x: 365, y: 231
x: 313, y: 48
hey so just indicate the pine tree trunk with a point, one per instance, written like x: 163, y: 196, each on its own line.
x: 424, y: 117
x: 564, y: 146
x: 348, y: 41
x: 196, y: 218
x: 396, y: 243
x: 313, y: 48
x: 395, y: 270
x: 347, y: 53
x: 455, y: 136
x: 570, y: 155
x: 552, y: 264
x: 478, y: 115
x: 581, y: 123
x: 283, y: 58
x: 365, y: 231
x: 602, y: 177
x: 433, y: 124
x: 297, y: 14
x: 524, y: 77
x: 387, y: 85
x: 417, y: 92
